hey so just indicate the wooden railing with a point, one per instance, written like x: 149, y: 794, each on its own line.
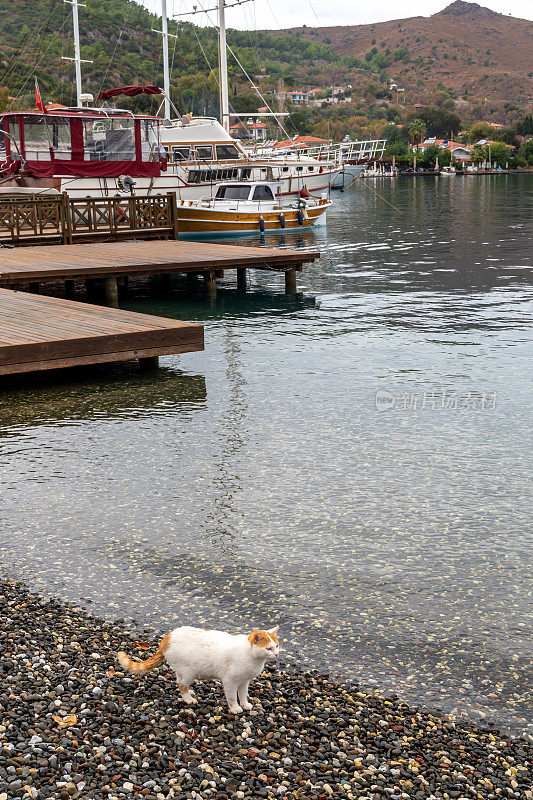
x: 37, y: 219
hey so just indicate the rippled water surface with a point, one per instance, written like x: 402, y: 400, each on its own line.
x: 352, y: 463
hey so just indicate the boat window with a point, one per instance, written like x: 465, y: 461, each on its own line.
x: 61, y: 138
x: 246, y: 173
x: 263, y: 193
x: 311, y: 169
x: 285, y: 169
x: 227, y: 152
x: 37, y: 139
x: 232, y: 193
x: 299, y: 169
x: 150, y: 148
x: 181, y: 153
x: 204, y: 152
x: 14, y: 141
x: 109, y: 139
x: 194, y: 176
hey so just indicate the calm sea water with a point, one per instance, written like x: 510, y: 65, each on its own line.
x: 352, y: 464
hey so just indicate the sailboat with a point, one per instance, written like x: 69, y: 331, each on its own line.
x: 201, y: 153
x: 100, y: 147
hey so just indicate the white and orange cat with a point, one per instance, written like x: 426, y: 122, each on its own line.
x: 194, y: 653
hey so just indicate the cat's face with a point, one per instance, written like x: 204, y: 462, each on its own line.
x: 265, y: 644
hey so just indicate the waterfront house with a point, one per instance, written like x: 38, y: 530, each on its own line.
x: 249, y: 130
x: 460, y: 152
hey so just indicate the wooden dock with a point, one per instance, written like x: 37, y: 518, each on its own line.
x: 114, y: 260
x: 40, y: 333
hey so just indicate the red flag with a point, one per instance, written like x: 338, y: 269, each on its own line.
x: 38, y: 99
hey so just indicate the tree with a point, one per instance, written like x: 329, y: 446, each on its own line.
x: 477, y: 154
x: 4, y: 98
x: 417, y: 131
x: 445, y: 157
x: 429, y: 155
x: 526, y: 152
x: 480, y: 130
x: 438, y: 121
x: 525, y: 126
x: 400, y: 152
x: 246, y: 102
x: 500, y: 153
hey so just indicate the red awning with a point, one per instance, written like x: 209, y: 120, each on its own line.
x: 129, y: 91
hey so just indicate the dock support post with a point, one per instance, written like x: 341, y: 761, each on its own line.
x: 69, y: 290
x: 123, y: 285
x: 241, y: 279
x: 290, y: 281
x: 91, y: 287
x: 111, y: 292
x: 210, y: 284
x: 150, y: 362
x: 34, y: 287
x: 166, y: 281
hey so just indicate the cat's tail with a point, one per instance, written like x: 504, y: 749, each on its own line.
x: 142, y: 667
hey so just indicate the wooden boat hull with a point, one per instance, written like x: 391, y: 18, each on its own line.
x: 195, y: 219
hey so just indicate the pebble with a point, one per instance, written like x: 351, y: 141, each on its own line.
x: 308, y: 737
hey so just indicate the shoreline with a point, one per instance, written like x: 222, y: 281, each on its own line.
x: 75, y: 725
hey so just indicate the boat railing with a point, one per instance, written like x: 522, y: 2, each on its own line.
x: 341, y: 152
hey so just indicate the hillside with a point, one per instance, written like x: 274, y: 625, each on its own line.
x: 118, y: 38
x: 485, y: 56
x: 472, y: 58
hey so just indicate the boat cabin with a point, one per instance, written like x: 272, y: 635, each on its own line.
x: 81, y: 142
x: 250, y: 192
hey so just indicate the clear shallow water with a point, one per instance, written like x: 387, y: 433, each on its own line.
x: 352, y: 463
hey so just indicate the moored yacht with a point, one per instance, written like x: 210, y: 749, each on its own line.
x: 255, y: 207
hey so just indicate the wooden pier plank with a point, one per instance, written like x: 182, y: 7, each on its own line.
x: 38, y: 332
x: 114, y: 259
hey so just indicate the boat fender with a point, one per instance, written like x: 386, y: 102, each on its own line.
x: 282, y: 220
x: 300, y: 217
x: 262, y: 224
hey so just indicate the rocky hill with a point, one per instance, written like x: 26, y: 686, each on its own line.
x: 484, y: 56
x: 473, y: 59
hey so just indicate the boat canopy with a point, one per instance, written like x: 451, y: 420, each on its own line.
x: 247, y: 191
x: 81, y: 142
x: 129, y: 91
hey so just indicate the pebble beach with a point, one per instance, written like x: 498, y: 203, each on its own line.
x: 73, y: 725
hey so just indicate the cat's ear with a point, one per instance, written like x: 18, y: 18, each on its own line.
x: 273, y: 631
x: 258, y: 638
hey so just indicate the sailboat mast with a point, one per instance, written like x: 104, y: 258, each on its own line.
x: 77, y: 55
x: 77, y: 52
x: 166, y: 76
x: 223, y: 64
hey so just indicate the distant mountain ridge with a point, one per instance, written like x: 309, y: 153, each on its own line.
x: 476, y: 51
x: 485, y: 58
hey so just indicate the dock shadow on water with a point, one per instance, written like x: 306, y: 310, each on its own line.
x: 349, y: 463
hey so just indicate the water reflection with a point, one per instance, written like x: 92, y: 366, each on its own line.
x: 116, y: 391
x: 390, y: 543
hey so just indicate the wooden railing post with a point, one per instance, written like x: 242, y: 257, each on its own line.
x: 35, y: 215
x: 132, y: 202
x: 173, y: 210
x: 65, y: 213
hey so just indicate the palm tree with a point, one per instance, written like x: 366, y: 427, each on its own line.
x: 477, y: 154
x: 417, y: 132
